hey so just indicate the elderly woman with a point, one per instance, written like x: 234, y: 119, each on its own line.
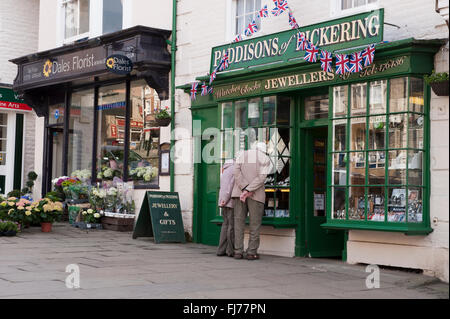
x: 226, y: 242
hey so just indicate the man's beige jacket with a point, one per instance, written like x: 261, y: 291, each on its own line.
x: 250, y: 172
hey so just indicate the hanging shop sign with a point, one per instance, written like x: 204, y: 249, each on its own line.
x: 285, y: 82
x: 160, y: 218
x: 119, y: 64
x: 335, y: 35
x: 10, y: 100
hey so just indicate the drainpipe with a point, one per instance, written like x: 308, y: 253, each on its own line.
x: 172, y: 91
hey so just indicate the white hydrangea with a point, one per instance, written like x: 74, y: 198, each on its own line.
x: 112, y: 191
x: 108, y: 172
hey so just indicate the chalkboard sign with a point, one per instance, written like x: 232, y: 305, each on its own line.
x: 160, y: 218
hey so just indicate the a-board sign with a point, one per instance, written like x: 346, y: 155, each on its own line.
x: 160, y: 218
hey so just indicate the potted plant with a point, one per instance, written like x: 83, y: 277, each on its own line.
x: 438, y: 82
x: 91, y: 219
x: 8, y: 228
x: 47, y: 213
x: 162, y: 117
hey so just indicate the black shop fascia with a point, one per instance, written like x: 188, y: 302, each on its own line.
x: 54, y: 77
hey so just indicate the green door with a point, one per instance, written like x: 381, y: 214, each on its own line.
x: 320, y: 242
x: 207, y: 184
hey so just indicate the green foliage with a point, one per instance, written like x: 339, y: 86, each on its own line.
x: 30, y: 184
x: 15, y: 193
x: 436, y: 77
x: 32, y: 176
x: 6, y: 226
x: 55, y: 196
x: 162, y: 113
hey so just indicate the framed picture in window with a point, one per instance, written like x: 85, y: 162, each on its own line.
x: 164, y: 162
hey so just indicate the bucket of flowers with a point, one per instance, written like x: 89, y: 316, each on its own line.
x: 47, y: 213
x: 97, y: 197
x: 8, y: 228
x: 17, y: 210
x: 91, y: 220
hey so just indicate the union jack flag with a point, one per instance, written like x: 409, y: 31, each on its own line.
x: 204, y: 89
x: 264, y: 12
x: 368, y: 54
x: 342, y: 64
x: 194, y: 90
x: 292, y: 21
x: 212, y: 76
x: 311, y: 53
x: 210, y: 90
x: 325, y: 61
x: 301, y: 42
x: 356, y: 62
x: 238, y: 38
x: 280, y: 7
x: 251, y: 28
x: 224, y: 63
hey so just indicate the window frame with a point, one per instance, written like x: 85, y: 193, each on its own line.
x: 407, y: 226
x: 271, y: 190
x: 337, y: 11
x: 232, y: 18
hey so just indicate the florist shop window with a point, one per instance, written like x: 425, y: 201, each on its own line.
x: 143, y: 159
x: 378, y: 152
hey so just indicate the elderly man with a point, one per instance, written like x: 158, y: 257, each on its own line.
x: 250, y: 172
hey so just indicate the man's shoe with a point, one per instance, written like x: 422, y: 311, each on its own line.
x: 238, y: 256
x: 221, y: 254
x: 252, y: 257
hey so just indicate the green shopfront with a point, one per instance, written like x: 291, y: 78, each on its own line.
x: 348, y: 151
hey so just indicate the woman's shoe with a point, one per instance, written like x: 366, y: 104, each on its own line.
x: 252, y: 257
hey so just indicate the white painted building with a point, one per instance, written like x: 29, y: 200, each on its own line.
x: 18, y: 36
x: 200, y: 27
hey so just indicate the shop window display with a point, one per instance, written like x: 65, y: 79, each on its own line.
x: 385, y: 152
x: 265, y: 120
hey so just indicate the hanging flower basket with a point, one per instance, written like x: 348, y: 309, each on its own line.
x: 440, y: 88
x: 163, y: 121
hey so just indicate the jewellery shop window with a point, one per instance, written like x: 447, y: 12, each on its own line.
x: 267, y: 120
x: 378, y: 153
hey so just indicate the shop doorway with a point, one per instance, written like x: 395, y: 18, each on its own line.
x: 54, y: 161
x: 320, y: 242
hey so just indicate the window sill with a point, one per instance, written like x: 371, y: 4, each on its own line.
x: 281, y: 223
x: 407, y: 229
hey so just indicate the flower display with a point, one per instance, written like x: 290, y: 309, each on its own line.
x: 83, y: 175
x: 146, y: 173
x: 108, y: 173
x: 90, y: 216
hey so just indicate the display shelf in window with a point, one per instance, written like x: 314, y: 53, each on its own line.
x: 379, y: 171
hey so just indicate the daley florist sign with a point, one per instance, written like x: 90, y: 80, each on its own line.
x: 348, y: 32
x: 298, y: 80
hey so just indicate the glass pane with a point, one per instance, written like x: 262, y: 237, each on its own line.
x: 240, y: 114
x: 397, y: 130
x: 143, y: 160
x: 415, y: 135
x: 252, y: 136
x: 339, y: 135
x: 3, y: 131
x: 397, y: 168
x: 3, y: 143
x: 415, y: 206
x: 378, y: 97
x: 253, y: 112
x: 282, y: 174
x: 415, y: 168
x: 377, y: 134
x: 112, y: 16
x: 416, y: 95
x: 111, y: 131
x: 357, y: 168
x: 377, y: 168
x: 271, y: 138
x: 269, y: 110
x: 375, y: 204
x: 239, y: 140
x: 240, y: 25
x: 2, y: 157
x: 240, y: 7
x: 359, y: 100
x: 249, y: 6
x: 358, y: 134
x: 340, y: 101
x: 81, y: 134
x: 319, y: 203
x: 398, y: 95
x: 84, y: 16
x: 356, y: 203
x: 282, y: 203
x: 316, y: 107
x: 359, y: 3
x: 71, y: 19
x: 339, y: 169
x: 56, y: 109
x: 227, y: 115
x: 269, y: 206
x: 346, y: 4
x: 3, y: 119
x: 338, y: 203
x: 397, y: 205
x: 283, y: 110
x: 227, y: 144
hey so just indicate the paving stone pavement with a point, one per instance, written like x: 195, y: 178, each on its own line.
x: 113, y: 265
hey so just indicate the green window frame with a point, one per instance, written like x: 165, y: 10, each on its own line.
x: 378, y: 172
x: 269, y: 119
